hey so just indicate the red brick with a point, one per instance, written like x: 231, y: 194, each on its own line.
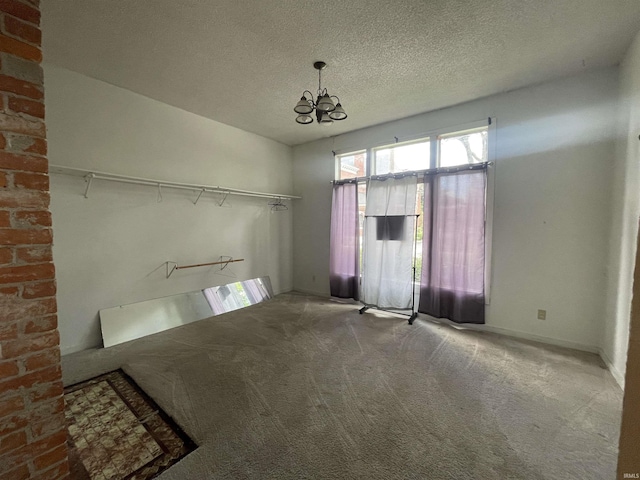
x: 36, y: 449
x: 23, y: 30
x: 51, y: 407
x: 22, y: 346
x: 37, y: 290
x: 3, y: 142
x: 25, y: 126
x: 24, y: 144
x: 4, y: 181
x: 15, y: 309
x: 21, y: 198
x: 47, y: 426
x: 13, y: 441
x: 34, y: 254
x: 8, y: 369
x: 44, y: 359
x: 30, y: 107
x: 40, y: 325
x: 30, y: 379
x: 26, y: 273
x: 59, y: 472
x: 32, y: 218
x: 21, y: 87
x: 11, y: 405
x: 34, y: 181
x: 12, y: 236
x: 20, y: 49
x: 20, y: 10
x: 11, y: 424
x: 51, y: 458
x: 19, y: 473
x: 45, y: 392
x: 39, y: 146
x: 6, y: 255
x: 5, y: 219
x: 9, y: 291
x: 26, y: 163
x: 8, y: 331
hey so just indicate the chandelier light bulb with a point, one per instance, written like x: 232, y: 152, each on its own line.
x: 304, y: 119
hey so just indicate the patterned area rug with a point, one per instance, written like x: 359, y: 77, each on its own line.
x: 117, y: 432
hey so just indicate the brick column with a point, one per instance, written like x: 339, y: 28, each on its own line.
x: 32, y: 427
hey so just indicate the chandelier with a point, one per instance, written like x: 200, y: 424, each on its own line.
x: 326, y: 110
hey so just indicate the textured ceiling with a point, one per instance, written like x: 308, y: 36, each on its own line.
x: 246, y: 62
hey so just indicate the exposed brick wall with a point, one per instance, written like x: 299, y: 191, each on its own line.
x: 32, y: 429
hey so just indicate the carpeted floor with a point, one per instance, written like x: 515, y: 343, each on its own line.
x: 301, y: 387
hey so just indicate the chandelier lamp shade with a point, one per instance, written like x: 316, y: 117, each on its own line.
x: 326, y: 110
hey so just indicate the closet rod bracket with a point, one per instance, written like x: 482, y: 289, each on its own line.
x: 173, y: 268
x: 224, y: 198
x: 199, y: 195
x: 88, y: 178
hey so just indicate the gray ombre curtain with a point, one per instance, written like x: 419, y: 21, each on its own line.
x: 345, y: 242
x: 453, y: 246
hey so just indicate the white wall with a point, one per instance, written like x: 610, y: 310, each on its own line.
x: 625, y: 213
x: 554, y: 152
x: 109, y: 249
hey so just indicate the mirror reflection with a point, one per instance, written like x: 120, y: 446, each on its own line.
x: 128, y: 322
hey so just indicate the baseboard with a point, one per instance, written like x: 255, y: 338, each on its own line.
x: 619, y: 377
x: 311, y: 292
x: 518, y: 334
x: 76, y: 348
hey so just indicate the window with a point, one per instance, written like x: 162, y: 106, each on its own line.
x: 463, y: 148
x: 404, y: 157
x: 450, y: 149
x: 437, y: 149
x: 351, y: 165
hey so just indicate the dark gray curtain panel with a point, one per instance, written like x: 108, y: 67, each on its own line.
x: 345, y: 242
x: 453, y: 246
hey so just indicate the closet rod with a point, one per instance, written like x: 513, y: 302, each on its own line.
x: 114, y: 177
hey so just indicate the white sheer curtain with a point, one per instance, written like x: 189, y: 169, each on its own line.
x: 387, y: 275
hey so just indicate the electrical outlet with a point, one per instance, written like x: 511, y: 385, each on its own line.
x: 542, y: 314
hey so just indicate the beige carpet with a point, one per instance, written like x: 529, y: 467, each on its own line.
x: 301, y: 387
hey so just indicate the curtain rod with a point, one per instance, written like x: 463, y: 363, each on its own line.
x: 89, y: 175
x: 431, y: 171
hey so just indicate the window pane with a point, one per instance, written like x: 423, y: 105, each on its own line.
x: 463, y: 148
x: 403, y: 158
x: 351, y: 165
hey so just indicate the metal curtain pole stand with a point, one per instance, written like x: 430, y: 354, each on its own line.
x: 400, y: 311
